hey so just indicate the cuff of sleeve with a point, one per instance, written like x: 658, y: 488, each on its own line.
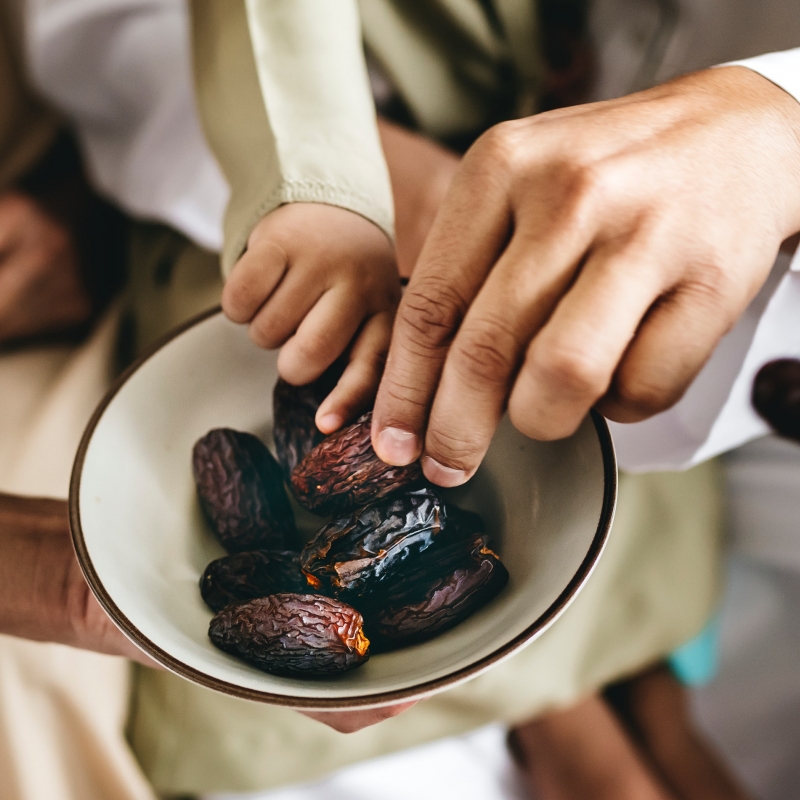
x: 305, y: 191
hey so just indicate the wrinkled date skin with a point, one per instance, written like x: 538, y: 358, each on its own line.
x: 293, y: 634
x: 293, y: 412
x: 245, y: 576
x: 462, y: 524
x: 358, y: 553
x: 422, y: 606
x: 241, y: 491
x: 343, y: 472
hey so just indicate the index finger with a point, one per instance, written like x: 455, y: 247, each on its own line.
x: 467, y: 237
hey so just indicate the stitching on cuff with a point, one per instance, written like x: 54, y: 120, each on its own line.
x: 309, y: 191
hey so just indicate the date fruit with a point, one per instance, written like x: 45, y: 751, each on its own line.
x: 357, y: 553
x: 422, y: 606
x: 343, y: 472
x: 293, y: 412
x: 241, y: 491
x: 245, y: 576
x: 293, y: 634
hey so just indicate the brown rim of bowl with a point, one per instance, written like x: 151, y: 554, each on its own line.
x: 360, y: 701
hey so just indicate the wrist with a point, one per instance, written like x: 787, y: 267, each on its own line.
x: 778, y: 116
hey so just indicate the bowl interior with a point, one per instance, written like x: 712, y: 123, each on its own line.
x: 143, y: 542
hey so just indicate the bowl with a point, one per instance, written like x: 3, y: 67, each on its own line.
x: 142, y: 541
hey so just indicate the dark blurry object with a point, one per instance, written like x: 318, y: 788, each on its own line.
x: 776, y: 396
x: 293, y: 634
x: 241, y: 491
x: 343, y: 472
x: 567, y: 52
x: 246, y: 576
x: 293, y: 412
x: 64, y: 245
x: 361, y: 552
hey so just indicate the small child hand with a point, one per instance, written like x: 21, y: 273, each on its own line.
x: 314, y: 280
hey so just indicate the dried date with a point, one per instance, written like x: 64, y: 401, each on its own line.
x: 343, y: 472
x: 293, y: 411
x: 421, y: 607
x: 358, y: 553
x: 245, y: 576
x: 293, y: 634
x: 241, y: 492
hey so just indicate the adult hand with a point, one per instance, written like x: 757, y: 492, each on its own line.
x: 41, y: 289
x: 43, y: 595
x: 588, y: 256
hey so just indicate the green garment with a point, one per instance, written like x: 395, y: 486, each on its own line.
x: 285, y: 101
x: 653, y: 589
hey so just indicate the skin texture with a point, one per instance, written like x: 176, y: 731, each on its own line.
x: 41, y: 289
x: 593, y: 255
x: 314, y: 279
x: 317, y: 279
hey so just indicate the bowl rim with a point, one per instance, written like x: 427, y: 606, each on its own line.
x: 539, y: 625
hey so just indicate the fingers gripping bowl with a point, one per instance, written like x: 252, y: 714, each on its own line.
x: 143, y: 543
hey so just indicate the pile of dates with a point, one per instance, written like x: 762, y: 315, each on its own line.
x: 392, y: 566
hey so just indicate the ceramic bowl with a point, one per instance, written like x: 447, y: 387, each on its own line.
x: 142, y: 541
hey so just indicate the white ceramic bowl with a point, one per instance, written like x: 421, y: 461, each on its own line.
x: 143, y: 544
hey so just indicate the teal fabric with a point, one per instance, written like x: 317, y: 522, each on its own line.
x: 696, y: 662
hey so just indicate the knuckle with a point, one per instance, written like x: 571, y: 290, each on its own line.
x: 235, y: 301
x: 265, y: 334
x: 641, y: 398
x: 311, y: 347
x: 575, y: 371
x: 501, y: 148
x: 459, y: 449
x: 433, y: 310
x: 530, y: 422
x: 487, y: 350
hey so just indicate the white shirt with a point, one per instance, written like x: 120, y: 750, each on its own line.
x: 138, y: 125
x: 715, y: 415
x: 120, y: 71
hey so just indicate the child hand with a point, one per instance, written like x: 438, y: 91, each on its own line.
x: 314, y: 279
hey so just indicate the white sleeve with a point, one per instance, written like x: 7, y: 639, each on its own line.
x: 715, y: 414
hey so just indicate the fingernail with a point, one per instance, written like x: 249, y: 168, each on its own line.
x: 330, y: 422
x: 397, y: 447
x: 441, y: 475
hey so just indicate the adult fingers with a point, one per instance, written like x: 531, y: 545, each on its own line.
x: 570, y: 363
x: 671, y: 347
x: 466, y: 238
x: 516, y: 300
x: 359, y: 382
x: 352, y: 721
x: 252, y: 281
x: 322, y: 336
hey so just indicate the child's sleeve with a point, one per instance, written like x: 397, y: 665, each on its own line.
x: 285, y: 101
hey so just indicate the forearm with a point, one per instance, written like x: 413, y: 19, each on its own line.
x: 421, y: 172
x: 35, y: 568
x: 43, y: 595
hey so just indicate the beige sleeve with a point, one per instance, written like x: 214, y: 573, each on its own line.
x: 285, y: 102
